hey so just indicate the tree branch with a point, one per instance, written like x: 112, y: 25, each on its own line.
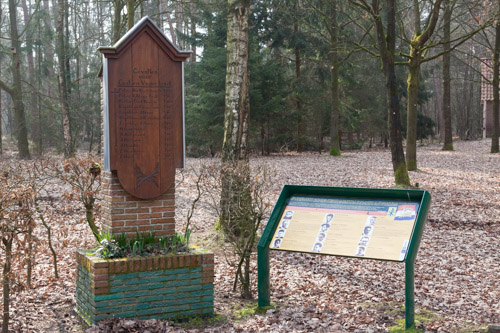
x: 6, y: 88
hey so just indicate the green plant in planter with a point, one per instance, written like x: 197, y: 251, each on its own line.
x: 122, y: 241
x: 108, y: 247
x: 138, y: 248
x: 144, y: 244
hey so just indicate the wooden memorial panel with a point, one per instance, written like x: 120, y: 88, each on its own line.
x: 145, y: 110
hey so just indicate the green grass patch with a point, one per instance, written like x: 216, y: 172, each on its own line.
x: 202, y: 321
x: 248, y: 310
x: 422, y: 317
x: 251, y: 309
x: 334, y: 152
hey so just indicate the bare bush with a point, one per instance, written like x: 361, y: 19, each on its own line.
x: 83, y: 174
x: 243, y: 215
x: 15, y: 220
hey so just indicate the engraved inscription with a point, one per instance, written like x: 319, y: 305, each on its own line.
x: 166, y: 122
x: 140, y: 109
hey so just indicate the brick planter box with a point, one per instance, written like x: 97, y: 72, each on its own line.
x: 162, y: 287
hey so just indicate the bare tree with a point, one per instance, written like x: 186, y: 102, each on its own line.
x: 16, y: 90
x: 386, y: 38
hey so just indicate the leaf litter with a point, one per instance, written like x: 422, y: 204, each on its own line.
x: 457, y: 285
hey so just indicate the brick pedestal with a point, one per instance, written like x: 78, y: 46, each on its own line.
x: 124, y: 213
x: 163, y: 287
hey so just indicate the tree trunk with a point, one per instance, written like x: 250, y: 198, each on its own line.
x: 448, y: 139
x: 237, y: 104
x: 179, y: 20
x: 171, y: 25
x: 496, y: 81
x: 298, y: 102
x: 417, y: 52
x: 16, y: 93
x: 411, y: 122
x: 237, y: 108
x: 1, y: 145
x: 130, y: 13
x: 39, y: 135
x: 29, y: 255
x: 47, y: 48
x: 193, y: 32
x: 437, y: 101
x: 386, y: 48
x: 7, y: 242
x: 334, y: 65
x: 89, y: 214
x: 63, y: 78
x: 117, y: 19
x: 31, y: 71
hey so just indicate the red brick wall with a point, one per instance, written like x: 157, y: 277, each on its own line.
x: 124, y: 213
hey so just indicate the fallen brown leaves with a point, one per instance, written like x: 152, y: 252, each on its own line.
x: 457, y: 268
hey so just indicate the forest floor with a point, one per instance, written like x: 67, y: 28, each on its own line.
x: 457, y: 271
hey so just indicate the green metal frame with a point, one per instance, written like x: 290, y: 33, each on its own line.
x: 421, y: 196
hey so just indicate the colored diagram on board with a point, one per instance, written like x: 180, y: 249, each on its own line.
x: 370, y: 228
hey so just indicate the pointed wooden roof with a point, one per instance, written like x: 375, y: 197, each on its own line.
x: 145, y: 25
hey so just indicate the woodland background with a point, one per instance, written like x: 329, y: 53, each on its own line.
x: 315, y: 82
x: 49, y: 64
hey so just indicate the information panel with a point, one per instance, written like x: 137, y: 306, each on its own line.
x: 354, y: 227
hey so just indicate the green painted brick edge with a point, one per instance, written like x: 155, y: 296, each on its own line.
x: 168, y: 293
x: 202, y: 305
x: 150, y: 273
x: 98, y: 298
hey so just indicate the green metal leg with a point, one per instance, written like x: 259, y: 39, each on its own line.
x: 409, y: 294
x: 263, y: 276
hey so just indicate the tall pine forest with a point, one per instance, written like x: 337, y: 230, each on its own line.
x: 315, y: 69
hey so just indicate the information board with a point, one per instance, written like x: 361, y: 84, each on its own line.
x: 380, y: 224
x: 354, y: 227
